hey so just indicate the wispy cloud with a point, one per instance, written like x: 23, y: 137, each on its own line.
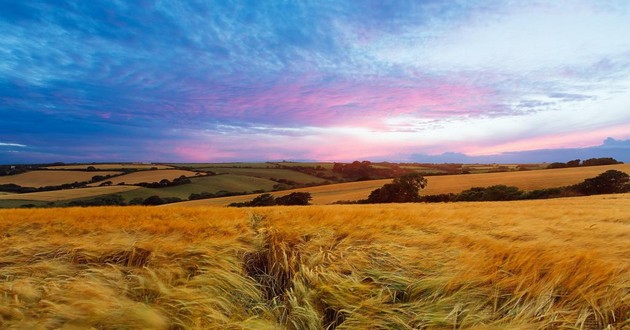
x: 5, y: 144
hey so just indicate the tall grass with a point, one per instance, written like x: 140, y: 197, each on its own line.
x: 553, y: 264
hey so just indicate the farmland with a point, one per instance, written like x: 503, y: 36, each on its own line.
x: 109, y: 166
x: 150, y: 176
x: 44, y: 178
x: 562, y: 263
x: 525, y: 180
x: 57, y: 195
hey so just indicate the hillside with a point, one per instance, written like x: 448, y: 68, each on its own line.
x: 562, y: 263
x: 43, y: 178
x: 525, y: 180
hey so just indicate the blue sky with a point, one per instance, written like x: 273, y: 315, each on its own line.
x: 318, y: 80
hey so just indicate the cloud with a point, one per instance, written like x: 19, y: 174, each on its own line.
x: 5, y: 144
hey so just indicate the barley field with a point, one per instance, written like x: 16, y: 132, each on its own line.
x: 525, y: 180
x: 548, y: 264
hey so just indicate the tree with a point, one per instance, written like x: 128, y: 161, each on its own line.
x: 404, y: 189
x: 609, y: 182
x: 296, y: 198
x: 573, y: 163
x: 153, y: 200
x: 263, y: 200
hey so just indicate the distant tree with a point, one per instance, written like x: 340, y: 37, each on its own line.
x: 600, y: 161
x: 557, y: 165
x: 492, y: 193
x: 609, y: 182
x: 573, y: 163
x: 296, y: 198
x: 263, y: 200
x: 91, y: 168
x: 404, y: 189
x: 153, y: 200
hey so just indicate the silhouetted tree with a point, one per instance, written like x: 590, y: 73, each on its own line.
x: 609, y: 182
x: 404, y: 189
x: 296, y: 198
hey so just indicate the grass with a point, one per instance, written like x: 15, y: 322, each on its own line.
x: 552, y: 264
x: 211, y: 184
x: 59, y: 195
x: 149, y: 176
x: 109, y: 166
x: 271, y: 173
x: 525, y: 180
x: 42, y: 178
x: 16, y: 203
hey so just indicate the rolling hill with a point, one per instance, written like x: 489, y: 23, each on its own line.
x: 525, y: 180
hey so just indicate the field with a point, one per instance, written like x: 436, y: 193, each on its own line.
x: 149, y: 176
x: 552, y: 264
x: 211, y: 184
x: 271, y: 174
x: 66, y: 194
x: 525, y: 180
x: 50, y: 178
x: 109, y: 166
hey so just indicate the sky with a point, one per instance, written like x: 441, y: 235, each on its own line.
x: 219, y: 81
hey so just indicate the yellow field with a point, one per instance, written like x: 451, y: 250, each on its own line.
x: 561, y: 264
x: 525, y: 180
x: 50, y: 178
x: 109, y: 166
x: 60, y: 195
x: 149, y: 176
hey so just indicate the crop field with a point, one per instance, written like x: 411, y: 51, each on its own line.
x: 59, y: 195
x: 211, y: 184
x: 223, y: 165
x: 149, y: 176
x: 44, y: 178
x: 551, y: 264
x: 271, y: 174
x: 525, y: 180
x: 109, y: 166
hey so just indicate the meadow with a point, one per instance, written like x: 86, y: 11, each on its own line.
x: 549, y: 264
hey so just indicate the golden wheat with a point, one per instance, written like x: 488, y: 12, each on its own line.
x: 552, y: 264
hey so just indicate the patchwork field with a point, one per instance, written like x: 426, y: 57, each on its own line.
x: 43, y: 178
x: 109, y: 166
x: 211, y: 184
x: 525, y: 180
x: 551, y: 264
x: 59, y: 195
x: 149, y: 176
x: 271, y: 174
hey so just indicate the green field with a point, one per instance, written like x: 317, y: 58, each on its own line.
x: 16, y: 203
x: 236, y: 165
x: 211, y: 184
x: 271, y: 173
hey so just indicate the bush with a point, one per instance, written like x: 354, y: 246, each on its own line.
x: 296, y: 198
x: 492, y: 193
x: 609, y: 182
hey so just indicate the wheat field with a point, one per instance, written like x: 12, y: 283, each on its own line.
x: 525, y: 180
x: 549, y: 264
x: 42, y: 178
